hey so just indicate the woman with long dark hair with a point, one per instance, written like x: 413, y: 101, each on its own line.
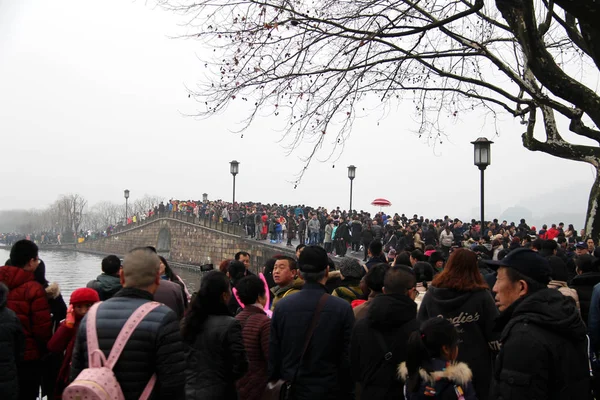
x: 460, y: 295
x: 367, y: 237
x: 167, y: 273
x: 215, y: 353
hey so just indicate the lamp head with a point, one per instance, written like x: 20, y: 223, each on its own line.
x: 482, y: 152
x: 351, y: 172
x: 234, y: 167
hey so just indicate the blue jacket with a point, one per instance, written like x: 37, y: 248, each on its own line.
x: 325, y: 370
x: 594, y: 318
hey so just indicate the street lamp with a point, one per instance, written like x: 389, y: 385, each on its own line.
x: 351, y: 176
x: 234, y: 169
x: 204, y: 197
x: 482, y: 159
x: 126, y: 193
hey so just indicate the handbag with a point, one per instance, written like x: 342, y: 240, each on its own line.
x: 281, y: 389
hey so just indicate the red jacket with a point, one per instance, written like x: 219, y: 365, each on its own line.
x: 27, y: 299
x: 256, y: 328
x: 63, y: 341
x: 552, y: 233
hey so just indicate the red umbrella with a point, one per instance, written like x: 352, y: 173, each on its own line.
x: 381, y: 203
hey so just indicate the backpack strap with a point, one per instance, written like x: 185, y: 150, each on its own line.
x: 132, y: 322
x: 94, y: 352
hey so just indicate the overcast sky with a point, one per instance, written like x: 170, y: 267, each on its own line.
x: 93, y: 97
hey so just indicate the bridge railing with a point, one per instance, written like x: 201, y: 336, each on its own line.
x: 204, y: 221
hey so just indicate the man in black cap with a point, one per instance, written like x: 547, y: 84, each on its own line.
x: 324, y: 370
x: 581, y: 248
x: 544, y: 347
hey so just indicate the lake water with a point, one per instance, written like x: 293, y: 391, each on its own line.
x: 73, y: 270
x: 70, y: 269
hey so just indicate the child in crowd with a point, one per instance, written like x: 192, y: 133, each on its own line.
x: 430, y: 370
x: 64, y: 338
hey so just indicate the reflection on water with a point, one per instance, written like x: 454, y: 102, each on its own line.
x: 73, y: 270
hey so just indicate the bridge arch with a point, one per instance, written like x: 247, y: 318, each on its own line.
x: 163, y: 246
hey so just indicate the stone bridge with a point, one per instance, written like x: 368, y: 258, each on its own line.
x: 185, y: 239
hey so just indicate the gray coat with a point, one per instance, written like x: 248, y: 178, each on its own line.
x: 169, y: 293
x: 314, y: 226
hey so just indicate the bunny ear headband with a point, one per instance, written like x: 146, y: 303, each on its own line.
x: 267, y: 295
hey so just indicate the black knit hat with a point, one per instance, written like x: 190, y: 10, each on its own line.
x: 312, y: 259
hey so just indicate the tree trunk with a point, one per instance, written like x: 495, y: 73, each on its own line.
x: 592, y: 223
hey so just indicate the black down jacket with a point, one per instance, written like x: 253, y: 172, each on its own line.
x: 215, y: 360
x: 390, y: 320
x: 12, y: 346
x: 544, y: 350
x: 154, y: 347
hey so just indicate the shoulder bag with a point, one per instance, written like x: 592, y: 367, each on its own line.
x: 281, y: 389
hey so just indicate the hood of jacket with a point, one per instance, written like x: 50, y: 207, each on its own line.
x: 391, y: 310
x: 550, y: 310
x: 53, y: 290
x: 449, y: 299
x: 13, y: 277
x: 108, y: 283
x: 457, y: 372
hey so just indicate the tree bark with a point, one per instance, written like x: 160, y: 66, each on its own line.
x: 592, y: 223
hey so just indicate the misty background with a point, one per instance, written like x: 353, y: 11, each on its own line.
x: 94, y: 100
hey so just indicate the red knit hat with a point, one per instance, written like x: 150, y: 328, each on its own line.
x: 84, y: 295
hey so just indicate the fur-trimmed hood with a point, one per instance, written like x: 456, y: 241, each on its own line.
x: 53, y: 290
x: 459, y: 373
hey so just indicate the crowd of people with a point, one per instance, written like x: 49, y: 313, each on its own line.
x: 500, y: 313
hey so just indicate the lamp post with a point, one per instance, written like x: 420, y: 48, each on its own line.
x: 204, y: 197
x: 483, y: 158
x: 234, y: 169
x: 351, y: 176
x: 126, y: 193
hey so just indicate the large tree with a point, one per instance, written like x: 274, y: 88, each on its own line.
x: 315, y: 64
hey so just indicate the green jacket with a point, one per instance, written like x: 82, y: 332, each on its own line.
x: 281, y: 292
x: 349, y: 293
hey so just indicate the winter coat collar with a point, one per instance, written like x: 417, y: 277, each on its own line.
x: 252, y: 310
x: 296, y: 284
x: 134, y: 293
x: 459, y: 373
x: 548, y: 309
x: 314, y: 286
x: 587, y: 279
x: 506, y: 315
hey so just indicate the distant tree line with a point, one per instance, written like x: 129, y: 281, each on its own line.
x: 72, y: 213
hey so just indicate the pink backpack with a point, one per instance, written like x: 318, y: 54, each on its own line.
x: 97, y: 381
